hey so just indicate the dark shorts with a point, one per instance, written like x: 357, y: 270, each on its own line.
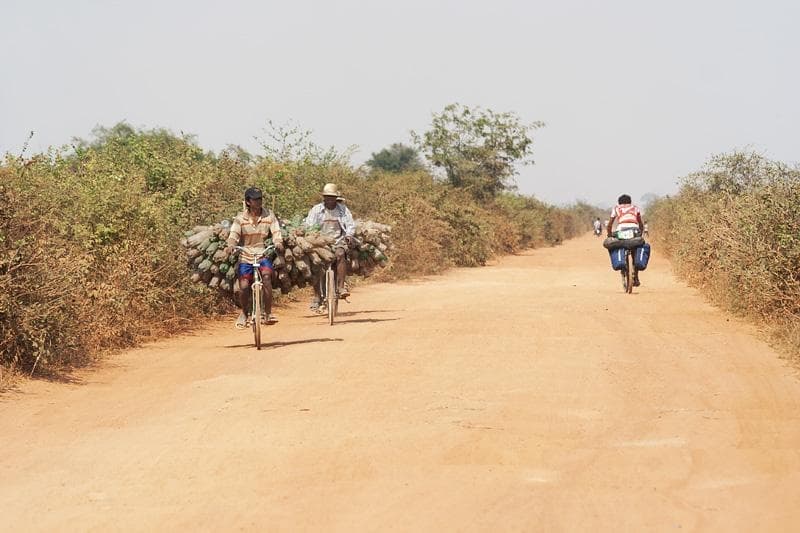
x: 246, y: 269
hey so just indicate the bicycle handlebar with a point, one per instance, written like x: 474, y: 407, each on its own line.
x: 353, y: 240
x: 256, y: 253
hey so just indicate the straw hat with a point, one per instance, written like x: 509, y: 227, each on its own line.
x: 330, y: 189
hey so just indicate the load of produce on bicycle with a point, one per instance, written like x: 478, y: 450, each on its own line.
x: 298, y: 250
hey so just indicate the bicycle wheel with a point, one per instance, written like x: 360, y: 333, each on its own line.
x: 256, y: 318
x: 330, y: 295
x: 628, y: 272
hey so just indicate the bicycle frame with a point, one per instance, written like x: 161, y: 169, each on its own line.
x: 256, y: 305
x: 627, y: 272
x: 328, y: 284
x: 328, y: 293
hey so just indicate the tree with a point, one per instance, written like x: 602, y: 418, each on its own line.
x: 477, y: 148
x: 288, y: 142
x: 397, y: 158
x: 237, y: 153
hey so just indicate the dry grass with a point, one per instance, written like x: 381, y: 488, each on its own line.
x: 89, y: 254
x: 734, y: 232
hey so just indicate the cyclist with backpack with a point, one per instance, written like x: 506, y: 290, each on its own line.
x: 628, y: 217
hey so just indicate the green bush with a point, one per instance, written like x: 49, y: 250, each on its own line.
x: 89, y: 254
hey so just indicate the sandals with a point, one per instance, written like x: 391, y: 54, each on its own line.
x: 344, y: 292
x: 245, y: 321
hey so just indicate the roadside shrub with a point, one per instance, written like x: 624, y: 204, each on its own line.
x: 89, y: 254
x: 734, y: 231
x: 36, y: 322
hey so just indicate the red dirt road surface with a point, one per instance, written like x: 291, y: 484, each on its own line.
x: 529, y: 395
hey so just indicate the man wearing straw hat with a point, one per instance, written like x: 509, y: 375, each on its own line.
x: 336, y: 221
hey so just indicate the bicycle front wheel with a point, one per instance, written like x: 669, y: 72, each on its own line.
x: 332, y: 298
x: 256, y: 318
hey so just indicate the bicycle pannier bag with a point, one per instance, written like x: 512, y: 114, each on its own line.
x: 617, y: 258
x: 641, y: 256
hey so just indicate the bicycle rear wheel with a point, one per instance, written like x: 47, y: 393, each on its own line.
x: 331, y: 297
x: 256, y: 318
x: 628, y: 274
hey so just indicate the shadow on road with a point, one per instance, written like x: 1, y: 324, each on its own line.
x: 280, y: 344
x: 54, y: 376
x: 354, y: 313
x: 365, y: 320
x: 371, y: 311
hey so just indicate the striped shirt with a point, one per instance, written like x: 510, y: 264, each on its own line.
x: 627, y: 215
x: 251, y: 232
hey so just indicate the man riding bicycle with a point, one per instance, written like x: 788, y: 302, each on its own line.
x: 336, y: 221
x: 250, y: 229
x: 627, y: 216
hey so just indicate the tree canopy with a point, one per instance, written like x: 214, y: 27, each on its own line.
x: 477, y: 148
x: 397, y: 158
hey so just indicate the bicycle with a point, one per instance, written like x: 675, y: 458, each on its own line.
x: 631, y: 239
x: 627, y: 272
x: 256, y: 305
x: 328, y: 284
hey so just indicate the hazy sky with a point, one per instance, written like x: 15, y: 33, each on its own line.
x: 634, y: 93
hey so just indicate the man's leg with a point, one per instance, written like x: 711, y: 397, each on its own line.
x: 317, y: 300
x: 266, y: 291
x: 341, y: 273
x: 636, y: 282
x: 244, y: 300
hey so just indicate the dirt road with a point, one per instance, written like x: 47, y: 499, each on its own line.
x: 562, y: 404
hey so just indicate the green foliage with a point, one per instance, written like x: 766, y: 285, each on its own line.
x: 290, y: 143
x: 95, y: 254
x: 477, y: 148
x: 528, y: 214
x: 397, y: 158
x: 438, y: 226
x: 89, y: 254
x: 734, y: 231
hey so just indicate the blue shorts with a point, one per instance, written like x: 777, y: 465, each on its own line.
x: 246, y: 269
